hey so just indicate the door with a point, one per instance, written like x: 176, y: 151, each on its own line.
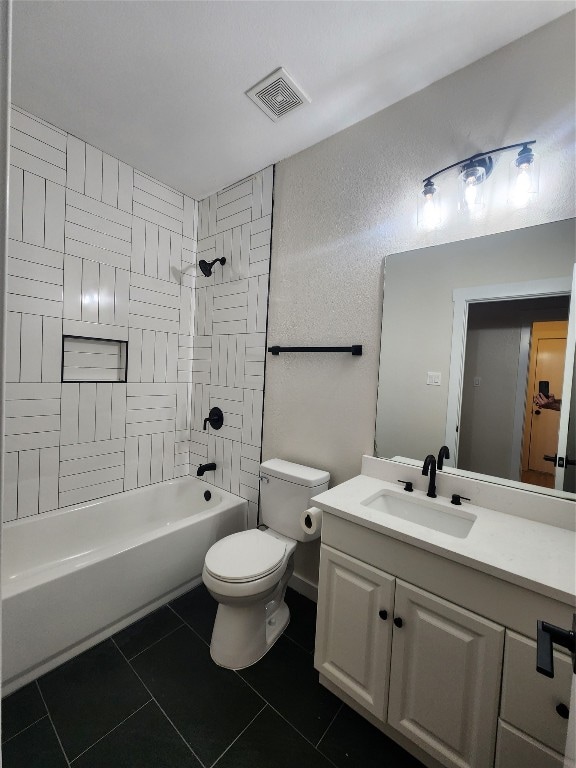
x: 445, y: 678
x: 547, y: 356
x: 353, y: 632
x: 566, y: 475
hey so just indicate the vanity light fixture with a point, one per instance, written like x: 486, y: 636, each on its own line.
x: 474, y: 171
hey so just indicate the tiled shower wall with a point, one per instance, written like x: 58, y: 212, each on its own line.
x: 229, y: 344
x: 98, y: 249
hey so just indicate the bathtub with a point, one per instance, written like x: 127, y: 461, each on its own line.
x: 73, y: 577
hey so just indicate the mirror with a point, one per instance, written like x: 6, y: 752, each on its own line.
x: 458, y: 325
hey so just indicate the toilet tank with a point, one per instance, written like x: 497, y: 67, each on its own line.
x: 285, y: 492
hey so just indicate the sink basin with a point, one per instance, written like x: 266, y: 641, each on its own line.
x: 454, y: 522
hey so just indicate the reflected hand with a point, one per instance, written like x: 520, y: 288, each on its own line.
x: 547, y: 401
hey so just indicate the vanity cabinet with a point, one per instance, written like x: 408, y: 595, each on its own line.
x: 534, y: 708
x: 427, y: 667
x: 454, y: 677
x: 354, y: 631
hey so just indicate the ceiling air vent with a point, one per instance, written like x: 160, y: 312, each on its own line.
x: 277, y: 94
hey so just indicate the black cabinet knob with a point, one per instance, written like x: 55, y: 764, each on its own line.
x: 398, y: 622
x: 563, y: 711
x: 383, y: 615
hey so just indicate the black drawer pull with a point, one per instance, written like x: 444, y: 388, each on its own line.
x: 563, y: 711
x: 383, y: 615
x: 398, y: 622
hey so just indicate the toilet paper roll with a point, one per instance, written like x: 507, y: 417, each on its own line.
x: 311, y: 520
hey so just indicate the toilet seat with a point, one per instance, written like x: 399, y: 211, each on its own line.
x: 246, y: 556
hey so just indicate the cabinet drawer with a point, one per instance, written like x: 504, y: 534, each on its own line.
x: 529, y: 699
x: 514, y: 750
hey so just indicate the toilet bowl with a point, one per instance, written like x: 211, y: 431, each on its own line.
x: 247, y: 572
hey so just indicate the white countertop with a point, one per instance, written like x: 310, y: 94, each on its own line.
x: 531, y: 554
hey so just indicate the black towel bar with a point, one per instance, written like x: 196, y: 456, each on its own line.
x: 355, y: 349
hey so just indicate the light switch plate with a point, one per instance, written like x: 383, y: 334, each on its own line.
x: 434, y: 378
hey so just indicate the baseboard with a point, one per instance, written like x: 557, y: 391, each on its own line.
x: 304, y: 587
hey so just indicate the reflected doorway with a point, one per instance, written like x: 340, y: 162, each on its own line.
x: 496, y: 390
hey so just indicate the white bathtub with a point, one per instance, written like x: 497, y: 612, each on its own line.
x: 73, y: 577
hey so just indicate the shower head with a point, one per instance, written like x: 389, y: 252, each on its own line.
x: 206, y: 267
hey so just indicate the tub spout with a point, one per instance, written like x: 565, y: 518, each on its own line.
x: 205, y: 468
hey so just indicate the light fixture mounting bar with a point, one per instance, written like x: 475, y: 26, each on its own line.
x: 478, y: 156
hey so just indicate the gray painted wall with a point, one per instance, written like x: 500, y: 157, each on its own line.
x: 345, y: 203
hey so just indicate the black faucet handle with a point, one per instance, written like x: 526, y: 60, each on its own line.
x: 457, y: 499
x: 407, y: 485
x: 215, y: 418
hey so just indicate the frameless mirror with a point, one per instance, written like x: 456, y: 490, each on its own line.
x: 472, y: 331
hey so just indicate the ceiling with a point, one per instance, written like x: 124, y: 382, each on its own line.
x: 161, y: 84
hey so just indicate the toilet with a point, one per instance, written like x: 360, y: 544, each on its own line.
x: 247, y: 572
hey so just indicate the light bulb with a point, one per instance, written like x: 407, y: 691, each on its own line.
x: 523, y: 186
x: 470, y: 193
x: 429, y: 214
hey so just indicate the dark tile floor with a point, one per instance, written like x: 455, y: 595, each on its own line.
x: 151, y: 697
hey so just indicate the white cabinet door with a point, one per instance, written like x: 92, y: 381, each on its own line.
x: 445, y: 678
x: 353, y: 632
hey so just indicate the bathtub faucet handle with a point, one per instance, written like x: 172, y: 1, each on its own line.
x: 215, y: 418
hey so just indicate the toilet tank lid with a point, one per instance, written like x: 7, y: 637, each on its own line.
x: 295, y: 473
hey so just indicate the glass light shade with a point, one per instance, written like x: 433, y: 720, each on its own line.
x: 524, y: 179
x: 471, y: 191
x: 429, y: 208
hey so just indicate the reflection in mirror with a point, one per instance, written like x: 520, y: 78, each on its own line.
x: 483, y: 405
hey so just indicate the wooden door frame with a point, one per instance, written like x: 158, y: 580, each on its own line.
x: 528, y: 405
x: 462, y: 298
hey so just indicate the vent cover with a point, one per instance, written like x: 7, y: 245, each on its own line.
x: 277, y: 94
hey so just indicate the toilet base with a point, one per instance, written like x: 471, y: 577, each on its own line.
x: 243, y: 635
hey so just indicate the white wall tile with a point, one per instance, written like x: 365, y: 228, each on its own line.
x: 10, y: 490
x: 131, y: 465
x: 87, y: 413
x: 109, y: 180
x: 144, y: 459
x: 93, y: 181
x: 33, y: 126
x: 33, y: 208
x: 75, y: 163
x: 51, y: 349
x: 54, y: 217
x: 125, y: 187
x: 31, y: 343
x: 49, y: 467
x: 37, y: 166
x: 15, y: 203
x: 28, y: 482
x: 35, y: 254
x: 13, y: 330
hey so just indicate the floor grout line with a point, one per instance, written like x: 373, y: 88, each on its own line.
x: 330, y: 724
x: 24, y: 729
x: 276, y: 711
x: 298, y: 645
x: 110, y: 731
x: 52, y: 723
x: 240, y: 734
x: 160, y: 707
x: 187, y: 624
x: 171, y: 632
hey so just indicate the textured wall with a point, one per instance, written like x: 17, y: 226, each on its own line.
x: 99, y: 250
x: 342, y: 205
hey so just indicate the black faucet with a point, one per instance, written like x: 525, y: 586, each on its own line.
x: 443, y: 453
x: 205, y: 468
x: 430, y: 464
